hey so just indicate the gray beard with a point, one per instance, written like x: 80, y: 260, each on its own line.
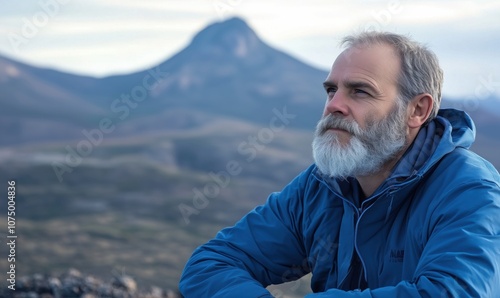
x: 367, y: 151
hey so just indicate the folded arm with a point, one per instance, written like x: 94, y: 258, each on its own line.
x: 261, y: 249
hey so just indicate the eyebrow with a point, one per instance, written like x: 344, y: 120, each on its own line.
x: 352, y: 85
x: 327, y: 84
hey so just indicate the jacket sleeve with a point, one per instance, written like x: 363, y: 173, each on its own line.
x: 259, y: 250
x: 462, y: 255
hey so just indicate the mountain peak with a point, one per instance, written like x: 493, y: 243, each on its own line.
x: 232, y: 35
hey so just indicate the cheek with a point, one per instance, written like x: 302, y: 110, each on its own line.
x: 363, y: 119
x: 367, y: 120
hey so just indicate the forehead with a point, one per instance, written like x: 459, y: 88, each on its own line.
x: 375, y: 63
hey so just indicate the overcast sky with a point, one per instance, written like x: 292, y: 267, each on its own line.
x: 105, y: 37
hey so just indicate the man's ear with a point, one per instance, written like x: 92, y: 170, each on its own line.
x: 419, y: 109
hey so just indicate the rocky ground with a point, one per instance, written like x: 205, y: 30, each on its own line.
x: 74, y: 284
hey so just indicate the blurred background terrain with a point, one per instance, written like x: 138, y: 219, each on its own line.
x: 130, y: 173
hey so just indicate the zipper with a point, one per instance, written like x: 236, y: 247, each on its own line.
x: 363, y: 270
x: 362, y: 273
x: 389, y: 191
x: 359, y: 213
x: 362, y: 211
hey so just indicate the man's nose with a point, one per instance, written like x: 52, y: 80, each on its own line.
x: 337, y: 104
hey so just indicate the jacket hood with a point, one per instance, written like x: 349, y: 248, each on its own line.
x: 463, y: 130
x: 456, y: 129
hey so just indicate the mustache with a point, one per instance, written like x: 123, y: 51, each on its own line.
x: 337, y: 122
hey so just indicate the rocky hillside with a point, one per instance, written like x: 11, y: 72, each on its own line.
x: 75, y: 284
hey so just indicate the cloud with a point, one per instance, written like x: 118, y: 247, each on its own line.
x: 105, y: 34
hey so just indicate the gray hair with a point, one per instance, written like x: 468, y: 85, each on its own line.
x: 420, y: 70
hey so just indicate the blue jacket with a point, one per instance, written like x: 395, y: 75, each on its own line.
x: 432, y: 229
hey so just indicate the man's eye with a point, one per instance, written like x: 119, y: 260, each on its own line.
x: 362, y: 92
x: 331, y: 89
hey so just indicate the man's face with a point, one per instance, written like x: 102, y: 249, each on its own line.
x: 364, y: 123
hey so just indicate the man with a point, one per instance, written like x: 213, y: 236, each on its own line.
x: 394, y: 206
